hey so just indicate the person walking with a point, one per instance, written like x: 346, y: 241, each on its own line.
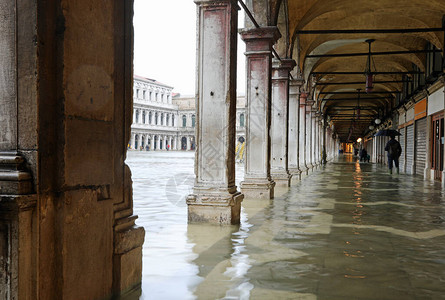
x: 394, y: 151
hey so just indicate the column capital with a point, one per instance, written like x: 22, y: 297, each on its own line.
x: 216, y: 2
x: 310, y: 102
x: 281, y: 68
x: 259, y: 39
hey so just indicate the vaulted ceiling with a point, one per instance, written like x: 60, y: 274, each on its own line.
x: 328, y: 38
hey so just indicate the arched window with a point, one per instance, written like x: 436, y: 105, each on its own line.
x: 241, y: 120
x: 136, y: 138
x: 137, y: 93
x: 184, y: 120
x: 162, y: 119
x: 173, y: 120
x: 156, y: 118
x: 143, y: 94
x: 193, y: 120
x: 167, y: 118
x: 149, y: 117
x: 137, y: 116
x: 143, y: 118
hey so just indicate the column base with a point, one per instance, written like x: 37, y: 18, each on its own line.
x: 257, y: 188
x: 443, y: 179
x: 215, y: 209
x: 281, y: 179
x: 296, y: 173
x: 127, y: 257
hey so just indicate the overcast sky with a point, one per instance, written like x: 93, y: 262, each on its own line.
x: 165, y: 44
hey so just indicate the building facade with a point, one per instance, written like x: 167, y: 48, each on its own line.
x: 164, y: 121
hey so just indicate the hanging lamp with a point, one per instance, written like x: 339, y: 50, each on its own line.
x: 368, y: 71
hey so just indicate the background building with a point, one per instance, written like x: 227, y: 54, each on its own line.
x: 165, y: 121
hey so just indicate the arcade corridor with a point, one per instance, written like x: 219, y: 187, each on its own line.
x: 346, y: 231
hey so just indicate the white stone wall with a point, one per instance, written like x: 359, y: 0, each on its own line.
x: 157, y: 116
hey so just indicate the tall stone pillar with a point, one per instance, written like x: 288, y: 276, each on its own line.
x: 215, y: 198
x: 294, y: 128
x: 316, y: 135
x: 280, y: 121
x: 302, y: 134
x: 257, y: 180
x: 324, y: 143
x: 309, y: 145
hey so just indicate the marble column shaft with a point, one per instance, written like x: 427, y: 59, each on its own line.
x: 280, y: 121
x: 302, y: 133
x: 294, y: 128
x: 215, y: 198
x: 257, y: 180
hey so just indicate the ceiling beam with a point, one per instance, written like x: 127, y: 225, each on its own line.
x: 363, y: 73
x: 359, y: 82
x: 372, y: 53
x: 384, y: 31
x: 361, y: 93
x: 355, y: 99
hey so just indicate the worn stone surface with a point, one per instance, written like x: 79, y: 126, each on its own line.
x: 280, y: 122
x: 259, y: 43
x: 65, y: 110
x: 216, y: 116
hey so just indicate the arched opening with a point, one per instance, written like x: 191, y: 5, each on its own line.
x: 241, y: 120
x: 136, y: 141
x: 155, y: 143
x: 142, y: 142
x: 156, y: 118
x: 143, y: 117
x: 167, y: 119
x: 137, y: 115
x: 183, y: 143
x: 173, y: 120
x: 193, y: 121
x: 184, y: 120
x: 162, y: 119
x: 160, y: 143
x: 149, y: 118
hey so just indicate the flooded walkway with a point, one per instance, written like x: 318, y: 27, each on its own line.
x: 346, y: 231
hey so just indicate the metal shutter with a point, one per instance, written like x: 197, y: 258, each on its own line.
x: 420, y: 153
x: 402, y: 157
x: 409, y: 149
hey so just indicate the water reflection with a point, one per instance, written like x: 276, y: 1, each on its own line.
x: 348, y: 231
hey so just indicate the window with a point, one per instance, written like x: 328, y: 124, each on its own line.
x: 173, y: 120
x: 162, y: 119
x: 137, y: 116
x: 137, y: 93
x: 143, y: 94
x: 149, y: 117
x: 156, y: 118
x: 167, y: 119
x: 193, y: 120
x: 241, y: 120
x: 184, y: 121
x: 143, y: 117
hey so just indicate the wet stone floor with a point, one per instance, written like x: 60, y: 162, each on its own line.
x: 347, y: 231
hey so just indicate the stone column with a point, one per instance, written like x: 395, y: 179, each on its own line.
x: 215, y: 198
x: 280, y: 121
x: 188, y: 144
x: 309, y: 145
x: 324, y: 143
x: 294, y: 128
x: 302, y: 134
x: 257, y: 180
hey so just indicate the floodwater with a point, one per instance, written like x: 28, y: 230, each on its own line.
x: 347, y: 231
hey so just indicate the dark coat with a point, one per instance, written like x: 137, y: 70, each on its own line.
x: 396, y: 145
